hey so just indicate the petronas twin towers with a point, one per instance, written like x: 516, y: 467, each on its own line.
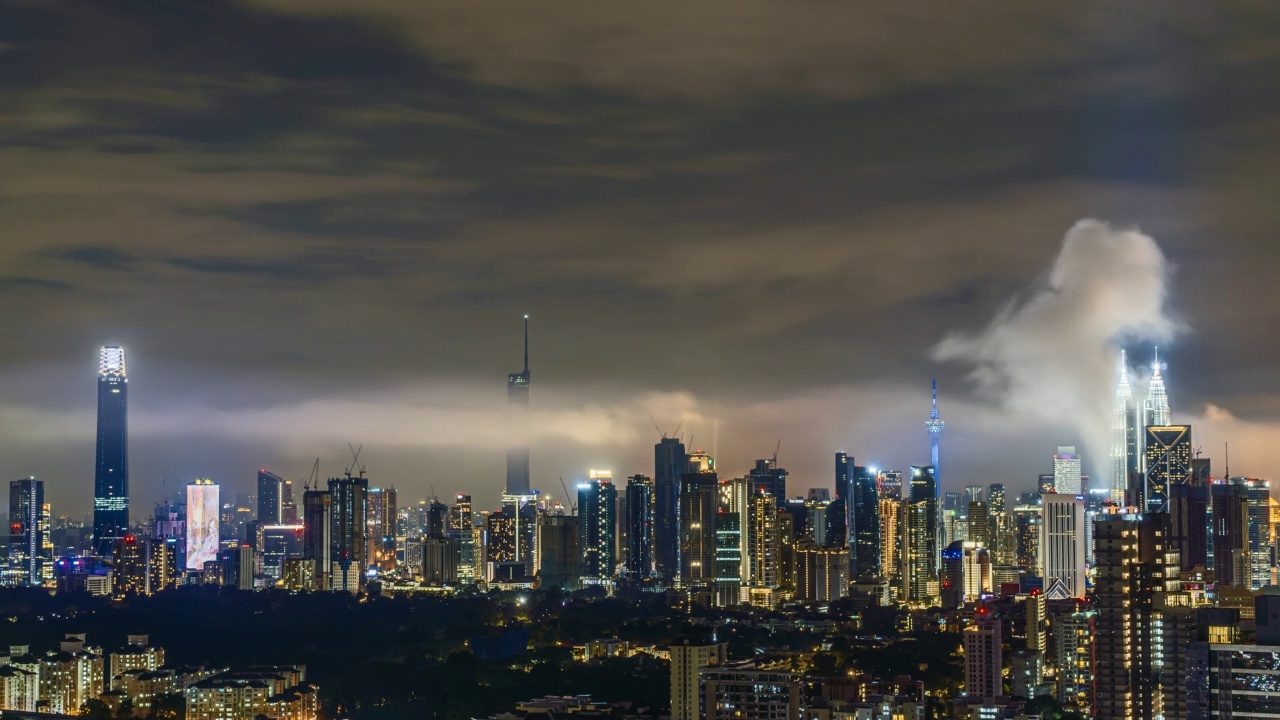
x: 1128, y: 419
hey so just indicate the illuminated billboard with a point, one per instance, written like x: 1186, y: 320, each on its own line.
x: 202, y: 523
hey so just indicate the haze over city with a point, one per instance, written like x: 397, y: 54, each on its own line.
x: 318, y: 223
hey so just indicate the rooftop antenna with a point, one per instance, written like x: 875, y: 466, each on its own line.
x: 526, y: 343
x: 1227, y: 467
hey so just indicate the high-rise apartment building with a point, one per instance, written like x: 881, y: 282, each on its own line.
x: 461, y: 520
x: 381, y: 527
x: 996, y: 499
x: 28, y: 531
x: 979, y: 524
x: 734, y: 694
x: 767, y: 477
x: 129, y: 567
x: 688, y: 658
x: 111, y: 477
x: 1137, y: 576
x: 558, y: 551
x: 1062, y: 545
x: 983, y: 657
x: 597, y: 525
x: 822, y: 573
x: 763, y: 542
x: 1075, y: 638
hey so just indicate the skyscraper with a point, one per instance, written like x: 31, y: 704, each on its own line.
x: 26, y: 533
x: 669, y: 465
x: 995, y: 498
x: 767, y: 477
x: 559, y: 557
x: 979, y: 523
x: 1259, y: 527
x: 317, y: 534
x: 203, y: 523
x: 864, y: 526
x: 934, y: 425
x: 763, y: 543
x: 1066, y: 470
x: 983, y: 659
x: 923, y: 551
x: 639, y: 521
x: 1168, y: 462
x: 699, y: 503
x: 597, y: 523
x: 381, y: 531
x: 728, y: 587
x: 1231, y: 564
x: 1156, y: 407
x: 518, y: 401
x: 270, y: 497
x: 1124, y: 435
x: 349, y: 529
x: 111, y: 478
x: 1062, y: 549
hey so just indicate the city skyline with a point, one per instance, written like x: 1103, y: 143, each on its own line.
x: 345, y: 215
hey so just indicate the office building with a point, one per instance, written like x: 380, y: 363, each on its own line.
x: 979, y: 525
x: 1062, y: 548
x: 204, y: 514
x: 670, y: 465
x: 699, y: 503
x: 952, y: 579
x: 890, y: 537
x: 748, y: 694
x: 558, y: 552
x: 279, y: 543
x: 983, y: 657
x: 864, y: 525
x: 1231, y: 561
x: 461, y: 519
x: 1066, y: 471
x: 270, y: 498
x: 822, y: 573
x: 977, y: 575
x: 597, y: 527
x: 728, y: 570
x: 688, y: 658
x: 1075, y: 639
x: 381, y: 527
x: 28, y: 532
x: 923, y: 552
x: 1125, y: 436
x: 518, y: 404
x: 996, y: 499
x: 1259, y: 529
x: 1156, y: 407
x: 1189, y: 516
x: 111, y: 476
x: 348, y: 532
x: 1168, y: 463
x: 640, y: 523
x: 317, y: 535
x: 440, y: 561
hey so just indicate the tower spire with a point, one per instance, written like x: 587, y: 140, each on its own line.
x: 526, y: 343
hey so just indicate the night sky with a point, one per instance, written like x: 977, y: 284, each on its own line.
x: 314, y: 222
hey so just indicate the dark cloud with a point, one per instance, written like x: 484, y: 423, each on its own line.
x: 309, y: 220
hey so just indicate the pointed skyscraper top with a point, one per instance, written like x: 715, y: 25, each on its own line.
x: 526, y: 344
x: 1124, y: 367
x: 1157, y: 404
x: 935, y: 423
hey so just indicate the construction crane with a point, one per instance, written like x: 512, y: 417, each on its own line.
x: 355, y: 460
x: 573, y: 506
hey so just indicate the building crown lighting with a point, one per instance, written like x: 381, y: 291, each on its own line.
x: 111, y: 362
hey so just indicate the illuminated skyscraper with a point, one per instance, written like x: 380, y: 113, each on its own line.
x: 27, y: 531
x: 699, y: 503
x: 380, y: 536
x: 670, y: 464
x: 518, y: 401
x: 317, y: 535
x: 983, y: 657
x: 1168, y: 462
x: 461, y: 520
x: 639, y: 522
x: 923, y: 550
x: 203, y: 526
x: 597, y: 525
x: 270, y: 498
x: 1124, y: 435
x: 728, y: 587
x: 864, y: 526
x: 111, y: 478
x: 1062, y: 548
x: 768, y: 478
x: 1066, y: 470
x: 995, y: 498
x: 350, y: 508
x: 934, y: 425
x: 1157, y: 404
x: 763, y: 543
